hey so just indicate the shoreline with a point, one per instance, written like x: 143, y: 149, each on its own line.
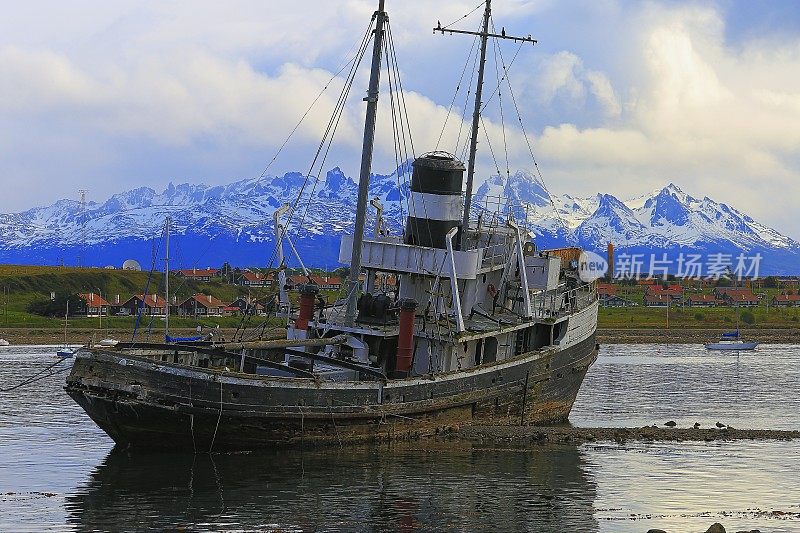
x: 692, y: 335
x: 80, y: 336
x: 524, y: 436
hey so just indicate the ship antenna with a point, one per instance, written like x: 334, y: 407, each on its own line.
x: 476, y: 115
x: 366, y: 164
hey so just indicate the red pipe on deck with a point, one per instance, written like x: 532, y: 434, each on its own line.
x: 308, y: 293
x: 405, y: 340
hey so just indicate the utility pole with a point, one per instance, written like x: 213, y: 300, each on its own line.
x: 476, y: 114
x: 167, y: 228
x: 366, y: 164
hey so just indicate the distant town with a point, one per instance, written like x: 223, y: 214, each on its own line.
x: 54, y: 291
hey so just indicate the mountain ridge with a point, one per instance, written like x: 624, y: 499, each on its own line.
x: 233, y: 222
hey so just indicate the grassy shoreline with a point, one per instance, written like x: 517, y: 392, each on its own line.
x: 692, y: 335
x: 84, y: 335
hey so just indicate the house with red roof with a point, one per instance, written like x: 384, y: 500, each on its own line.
x: 94, y: 304
x: 786, y: 300
x: 202, y: 305
x: 327, y: 283
x: 659, y: 299
x: 605, y: 291
x: 150, y: 304
x: 674, y: 292
x: 198, y: 274
x: 703, y: 300
x: 255, y: 279
x: 738, y: 296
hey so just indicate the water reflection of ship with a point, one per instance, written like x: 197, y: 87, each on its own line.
x: 399, y: 487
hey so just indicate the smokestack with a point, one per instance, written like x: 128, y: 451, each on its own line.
x: 435, y: 205
x: 405, y: 339
x: 308, y: 293
x: 610, y: 260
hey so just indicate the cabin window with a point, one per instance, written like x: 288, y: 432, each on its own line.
x: 490, y: 350
x: 478, y: 352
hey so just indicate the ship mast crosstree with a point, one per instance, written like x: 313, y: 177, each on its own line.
x: 369, y: 138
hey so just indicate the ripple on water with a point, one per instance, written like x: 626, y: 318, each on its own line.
x: 636, y: 385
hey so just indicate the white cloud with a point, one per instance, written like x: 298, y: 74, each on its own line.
x: 209, y: 81
x: 721, y: 119
x: 563, y: 75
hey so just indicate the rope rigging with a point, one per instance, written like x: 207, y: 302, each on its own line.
x: 500, y: 105
x: 401, y: 129
x: 472, y: 49
x: 45, y: 373
x: 464, y: 16
x: 146, y: 290
x: 463, y: 122
x: 332, y: 124
x: 539, y: 177
x: 400, y: 162
x: 327, y: 139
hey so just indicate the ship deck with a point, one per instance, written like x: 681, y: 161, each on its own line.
x: 477, y: 323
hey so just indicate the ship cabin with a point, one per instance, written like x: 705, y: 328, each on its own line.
x: 460, y: 300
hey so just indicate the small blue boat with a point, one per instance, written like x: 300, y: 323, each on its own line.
x: 731, y: 341
x: 65, y: 352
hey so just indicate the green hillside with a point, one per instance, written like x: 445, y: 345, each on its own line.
x: 21, y: 285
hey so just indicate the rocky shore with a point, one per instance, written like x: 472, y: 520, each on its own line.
x: 716, y: 527
x: 690, y: 335
x: 524, y: 436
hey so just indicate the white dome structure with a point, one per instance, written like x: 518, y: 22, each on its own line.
x: 131, y: 264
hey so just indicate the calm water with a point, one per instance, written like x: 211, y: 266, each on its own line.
x: 58, y: 471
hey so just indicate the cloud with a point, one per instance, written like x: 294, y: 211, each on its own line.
x: 174, y: 99
x: 703, y: 113
x: 563, y: 75
x: 130, y: 92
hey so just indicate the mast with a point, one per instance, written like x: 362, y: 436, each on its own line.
x: 476, y: 114
x: 168, y: 223
x: 366, y: 164
x: 476, y: 117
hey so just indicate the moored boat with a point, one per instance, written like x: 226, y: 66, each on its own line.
x: 731, y: 341
x: 108, y: 342
x: 65, y: 350
x: 481, y: 326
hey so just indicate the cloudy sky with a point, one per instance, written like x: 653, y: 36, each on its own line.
x: 618, y: 96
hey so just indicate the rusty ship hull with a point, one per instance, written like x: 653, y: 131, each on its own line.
x: 143, y: 403
x: 458, y: 319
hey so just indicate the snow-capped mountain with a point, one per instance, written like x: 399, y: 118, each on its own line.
x: 234, y: 222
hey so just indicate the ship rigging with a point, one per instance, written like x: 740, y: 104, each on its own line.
x: 481, y: 325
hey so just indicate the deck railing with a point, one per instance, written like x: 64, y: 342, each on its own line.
x: 561, y: 301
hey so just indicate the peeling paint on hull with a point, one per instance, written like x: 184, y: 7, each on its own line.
x: 145, y: 404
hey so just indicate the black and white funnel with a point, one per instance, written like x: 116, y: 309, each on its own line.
x: 435, y: 205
